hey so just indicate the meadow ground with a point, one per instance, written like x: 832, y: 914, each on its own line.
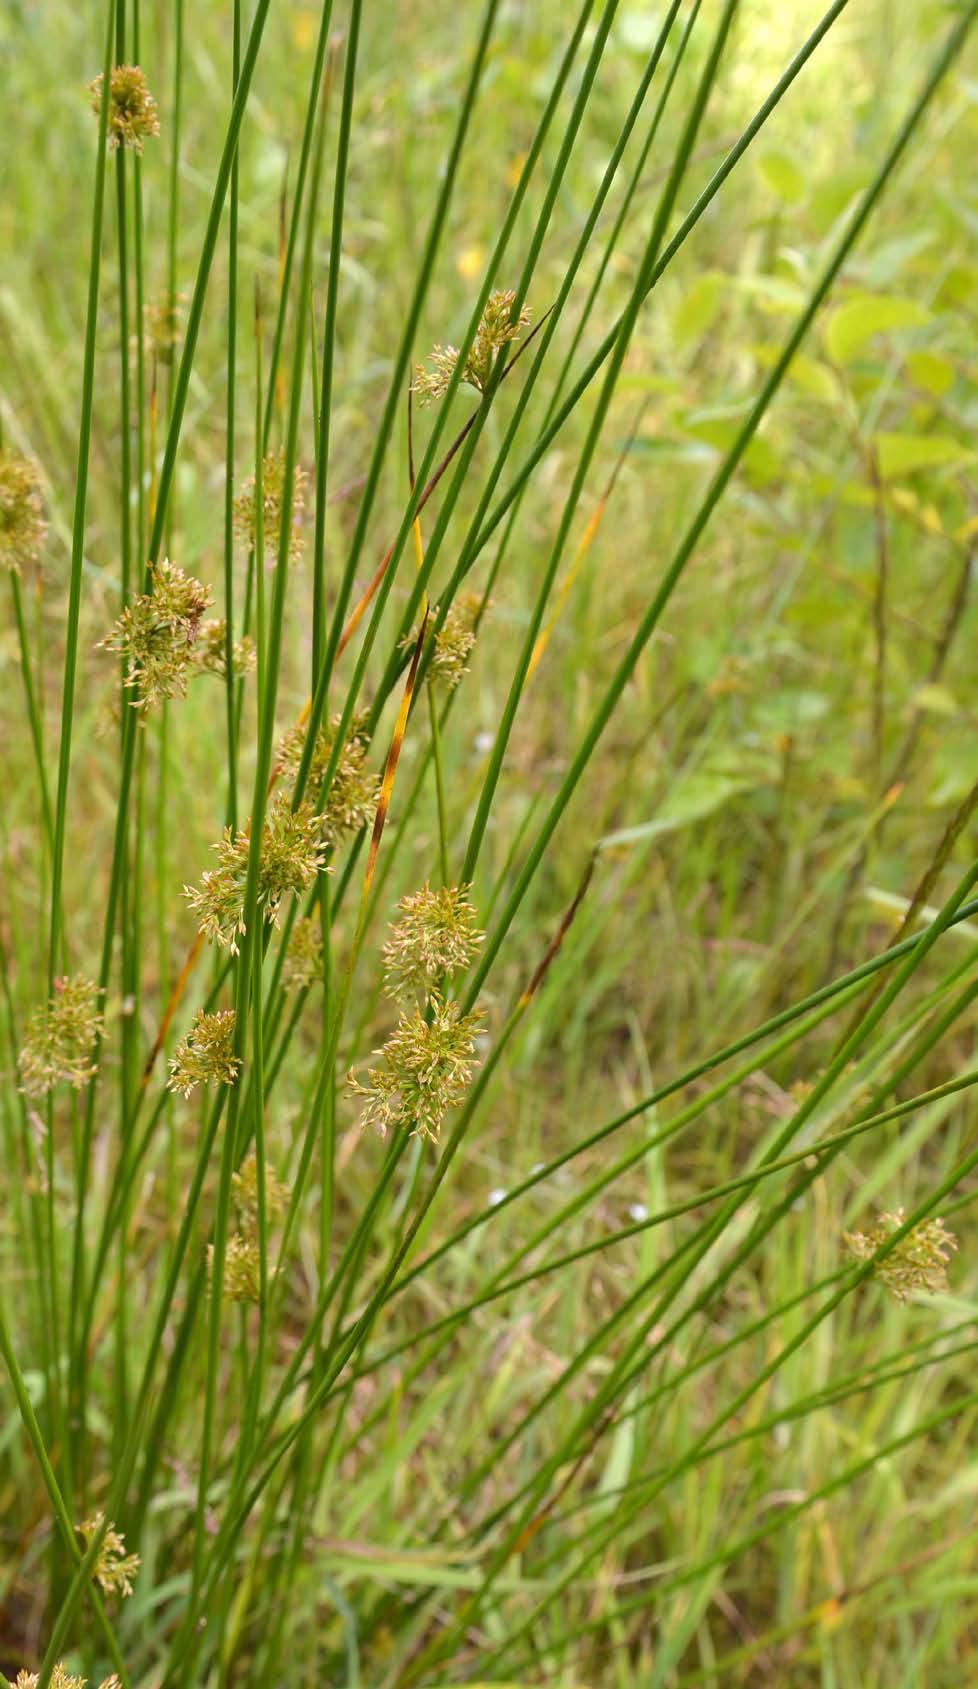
x: 642, y: 1415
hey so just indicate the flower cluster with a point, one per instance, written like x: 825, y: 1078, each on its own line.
x: 428, y: 1062
x: 354, y: 793
x: 292, y: 854
x: 242, y: 1256
x: 242, y: 1268
x: 62, y: 1678
x: 272, y: 488
x: 437, y: 936
x: 157, y: 634
x: 917, y: 1263
x: 22, y: 524
x: 114, y: 1569
x: 132, y: 108
x: 304, y: 960
x: 454, y: 643
x: 58, y: 1046
x: 206, y: 1055
x: 244, y: 1184
x: 496, y: 329
x: 161, y: 322
x: 211, y: 651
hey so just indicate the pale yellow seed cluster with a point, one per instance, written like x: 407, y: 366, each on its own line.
x: 497, y: 329
x: 114, y: 1569
x: 58, y: 1046
x: 354, y: 791
x: 205, y: 1056
x: 304, y: 959
x: 132, y: 108
x: 242, y: 1257
x: 293, y: 852
x: 917, y: 1263
x: 437, y: 936
x: 272, y: 493
x: 62, y: 1678
x: 157, y: 635
x: 427, y: 1064
x: 455, y: 640
x: 211, y: 653
x: 22, y: 524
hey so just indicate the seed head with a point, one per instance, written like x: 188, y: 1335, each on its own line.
x: 132, y: 108
x: 58, y: 1046
x: 206, y: 1054
x: 61, y: 1678
x: 157, y: 634
x: 211, y: 652
x: 242, y: 1270
x: 354, y: 792
x: 245, y: 1185
x: 454, y: 643
x: 22, y: 524
x: 436, y: 936
x: 427, y: 1066
x: 272, y: 487
x: 919, y: 1260
x: 161, y: 321
x: 292, y: 854
x: 495, y: 331
x: 114, y: 1569
x: 304, y: 960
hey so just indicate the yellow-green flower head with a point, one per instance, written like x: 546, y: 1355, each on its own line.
x: 292, y: 854
x: 496, y: 330
x: 272, y: 488
x: 58, y: 1046
x: 428, y: 1061
x: 354, y: 791
x: 61, y: 1678
x: 917, y: 1263
x: 242, y: 1268
x: 436, y: 937
x: 206, y: 1055
x: 157, y: 635
x: 454, y: 643
x: 244, y: 1184
x: 132, y: 108
x: 114, y: 1569
x: 22, y: 524
x: 304, y: 960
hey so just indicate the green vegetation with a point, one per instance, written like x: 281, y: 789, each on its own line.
x: 488, y: 905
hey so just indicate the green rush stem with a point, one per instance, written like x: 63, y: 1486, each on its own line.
x: 33, y: 713
x: 325, y: 404
x: 549, y: 329
x: 477, y: 422
x: 308, y: 129
x: 581, y: 249
x: 55, y: 935
x: 695, y: 1451
x: 269, y: 661
x: 129, y: 888
x: 471, y: 549
x: 65, y: 1524
x: 628, y: 322
x: 717, y: 488
x: 383, y: 434
x: 844, y: 1054
x: 631, y: 1362
x: 140, y: 303
x: 436, y: 757
x: 231, y: 716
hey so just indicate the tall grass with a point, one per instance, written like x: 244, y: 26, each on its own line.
x: 362, y: 1418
